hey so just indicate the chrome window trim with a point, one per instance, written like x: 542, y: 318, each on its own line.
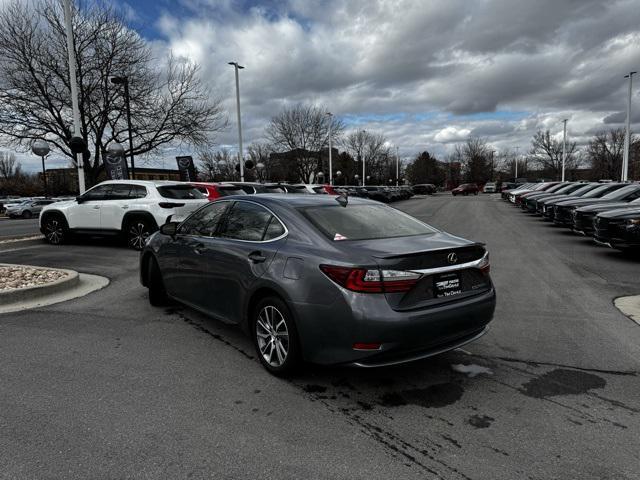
x: 286, y: 230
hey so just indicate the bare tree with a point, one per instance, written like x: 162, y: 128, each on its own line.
x: 373, y: 149
x: 217, y: 165
x: 260, y: 152
x: 476, y: 157
x: 9, y: 167
x: 304, y: 131
x: 548, y: 154
x: 169, y: 103
x: 604, y: 154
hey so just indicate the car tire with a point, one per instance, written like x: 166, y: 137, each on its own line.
x: 276, y: 342
x: 136, y: 232
x: 157, y: 293
x: 55, y: 229
x: 27, y: 214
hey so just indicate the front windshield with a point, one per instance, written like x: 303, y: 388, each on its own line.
x: 581, y: 191
x: 618, y: 194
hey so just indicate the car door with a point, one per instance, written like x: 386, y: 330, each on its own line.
x: 182, y: 258
x: 237, y: 256
x: 86, y: 213
x: 118, y: 203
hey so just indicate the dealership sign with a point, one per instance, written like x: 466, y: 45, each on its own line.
x: 116, y: 166
x: 187, y: 169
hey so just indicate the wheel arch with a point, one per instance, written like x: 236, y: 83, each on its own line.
x: 260, y: 292
x: 138, y: 214
x: 146, y: 257
x: 49, y: 213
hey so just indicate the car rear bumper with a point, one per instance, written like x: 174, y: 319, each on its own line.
x: 328, y: 333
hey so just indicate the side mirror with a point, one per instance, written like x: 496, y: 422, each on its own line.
x: 79, y: 199
x: 169, y: 228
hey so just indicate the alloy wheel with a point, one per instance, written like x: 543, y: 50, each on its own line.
x: 273, y: 336
x: 138, y: 234
x: 54, y: 232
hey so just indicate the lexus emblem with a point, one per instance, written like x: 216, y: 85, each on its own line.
x: 452, y: 258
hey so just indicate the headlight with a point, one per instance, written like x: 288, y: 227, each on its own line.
x: 633, y: 221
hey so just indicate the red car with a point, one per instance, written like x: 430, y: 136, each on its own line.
x: 465, y: 189
x: 217, y: 190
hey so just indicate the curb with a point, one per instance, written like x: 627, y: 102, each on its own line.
x: 21, y: 238
x: 32, y: 293
x: 630, y: 306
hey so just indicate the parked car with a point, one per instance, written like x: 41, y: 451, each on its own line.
x: 561, y: 207
x: 584, y: 216
x: 465, y: 189
x: 27, y: 209
x: 424, y: 189
x: 567, y: 214
x: 127, y: 208
x: 580, y: 192
x: 529, y: 201
x: 378, y: 193
x: 490, y: 187
x: 506, y: 192
x: 324, y: 281
x: 214, y: 190
x: 515, y: 197
x: 618, y: 229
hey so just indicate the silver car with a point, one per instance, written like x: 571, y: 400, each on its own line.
x: 324, y: 280
x: 27, y: 208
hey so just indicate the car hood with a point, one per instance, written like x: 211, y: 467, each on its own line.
x: 401, y: 246
x: 556, y: 198
x: 584, y: 202
x: 601, y: 207
x: 622, y: 213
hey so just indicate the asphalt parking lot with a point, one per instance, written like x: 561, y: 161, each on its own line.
x: 107, y: 386
x: 18, y: 227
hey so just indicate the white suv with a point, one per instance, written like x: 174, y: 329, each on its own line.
x: 133, y: 209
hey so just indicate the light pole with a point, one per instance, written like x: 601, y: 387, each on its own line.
x: 362, y: 157
x: 73, y: 81
x: 41, y: 148
x: 564, y: 147
x: 627, y: 136
x: 127, y: 100
x: 330, y: 115
x: 516, y: 174
x: 237, y: 67
x: 397, y: 164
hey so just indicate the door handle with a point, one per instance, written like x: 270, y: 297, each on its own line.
x: 125, y: 207
x: 198, y: 248
x: 257, y: 257
x: 96, y: 207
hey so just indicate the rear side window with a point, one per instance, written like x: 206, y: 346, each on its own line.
x: 274, y: 189
x: 250, y: 222
x: 297, y: 189
x: 137, y: 191
x: 363, y: 222
x: 180, y: 192
x: 320, y: 190
x: 119, y: 191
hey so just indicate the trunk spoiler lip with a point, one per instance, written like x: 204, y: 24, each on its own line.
x: 421, y: 252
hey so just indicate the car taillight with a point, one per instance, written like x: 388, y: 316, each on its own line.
x: 371, y: 280
x: 170, y: 204
x: 484, y: 265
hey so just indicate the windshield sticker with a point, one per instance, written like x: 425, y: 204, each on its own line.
x: 339, y: 236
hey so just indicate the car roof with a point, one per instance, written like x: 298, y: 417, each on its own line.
x: 147, y: 183
x: 295, y: 201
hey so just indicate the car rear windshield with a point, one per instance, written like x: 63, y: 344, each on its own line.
x: 364, y: 222
x: 181, y: 192
x: 298, y: 189
x: 273, y: 189
x: 230, y: 190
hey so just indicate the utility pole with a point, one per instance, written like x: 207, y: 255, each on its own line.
x: 564, y: 147
x: 397, y: 164
x: 627, y: 137
x: 240, y: 151
x: 73, y: 81
x: 330, y: 115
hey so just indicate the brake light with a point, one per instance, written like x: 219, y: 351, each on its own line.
x: 363, y: 280
x: 484, y: 265
x: 366, y: 346
x: 170, y: 205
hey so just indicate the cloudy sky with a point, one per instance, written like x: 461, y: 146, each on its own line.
x: 424, y: 73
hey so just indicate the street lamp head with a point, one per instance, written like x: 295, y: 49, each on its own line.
x: 338, y: 173
x: 40, y: 147
x: 237, y: 65
x: 115, y: 148
x: 119, y: 80
x: 260, y: 166
x: 629, y: 74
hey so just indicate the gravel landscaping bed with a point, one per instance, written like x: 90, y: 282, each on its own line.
x: 14, y: 276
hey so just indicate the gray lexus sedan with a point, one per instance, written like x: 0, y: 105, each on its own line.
x: 323, y: 279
